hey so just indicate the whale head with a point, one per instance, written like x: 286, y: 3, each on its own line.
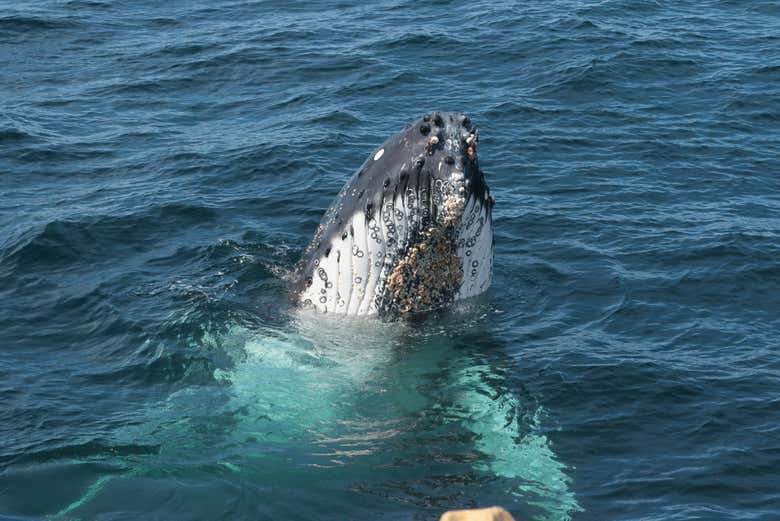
x: 411, y: 231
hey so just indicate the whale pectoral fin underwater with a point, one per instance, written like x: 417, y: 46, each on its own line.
x: 411, y: 231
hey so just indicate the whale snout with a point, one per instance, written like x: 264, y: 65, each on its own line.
x: 451, y: 133
x: 444, y: 149
x: 450, y: 146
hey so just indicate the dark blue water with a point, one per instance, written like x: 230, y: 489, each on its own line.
x: 163, y: 164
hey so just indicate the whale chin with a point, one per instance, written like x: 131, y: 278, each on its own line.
x: 410, y: 232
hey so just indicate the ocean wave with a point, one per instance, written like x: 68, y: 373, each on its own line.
x: 61, y: 243
x: 171, y: 368
x: 88, y: 450
x: 15, y: 136
x: 21, y: 24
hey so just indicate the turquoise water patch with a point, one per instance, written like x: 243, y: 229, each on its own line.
x: 359, y: 404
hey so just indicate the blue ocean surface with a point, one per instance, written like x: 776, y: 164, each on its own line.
x: 163, y: 165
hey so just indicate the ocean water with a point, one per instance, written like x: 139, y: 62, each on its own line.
x: 163, y: 165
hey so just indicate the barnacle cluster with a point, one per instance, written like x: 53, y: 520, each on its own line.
x: 430, y: 273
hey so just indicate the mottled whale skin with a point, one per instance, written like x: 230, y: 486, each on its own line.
x: 411, y: 231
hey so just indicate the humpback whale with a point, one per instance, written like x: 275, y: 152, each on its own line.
x: 362, y: 413
x: 411, y: 231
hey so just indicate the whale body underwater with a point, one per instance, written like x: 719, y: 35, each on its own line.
x: 410, y: 232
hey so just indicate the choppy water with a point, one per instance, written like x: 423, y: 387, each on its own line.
x: 163, y: 164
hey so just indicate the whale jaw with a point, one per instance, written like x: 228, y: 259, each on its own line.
x: 410, y: 232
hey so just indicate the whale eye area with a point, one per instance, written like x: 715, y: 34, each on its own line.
x: 425, y: 129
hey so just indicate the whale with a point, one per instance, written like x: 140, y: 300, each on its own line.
x: 346, y: 406
x: 411, y: 231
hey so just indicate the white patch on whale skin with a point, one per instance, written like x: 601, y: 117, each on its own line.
x: 344, y: 286
x: 401, y: 221
x: 331, y: 277
x: 475, y: 249
x: 358, y: 266
x: 379, y: 154
x: 347, y: 280
x: 324, y: 280
x: 375, y: 249
x: 360, y: 263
